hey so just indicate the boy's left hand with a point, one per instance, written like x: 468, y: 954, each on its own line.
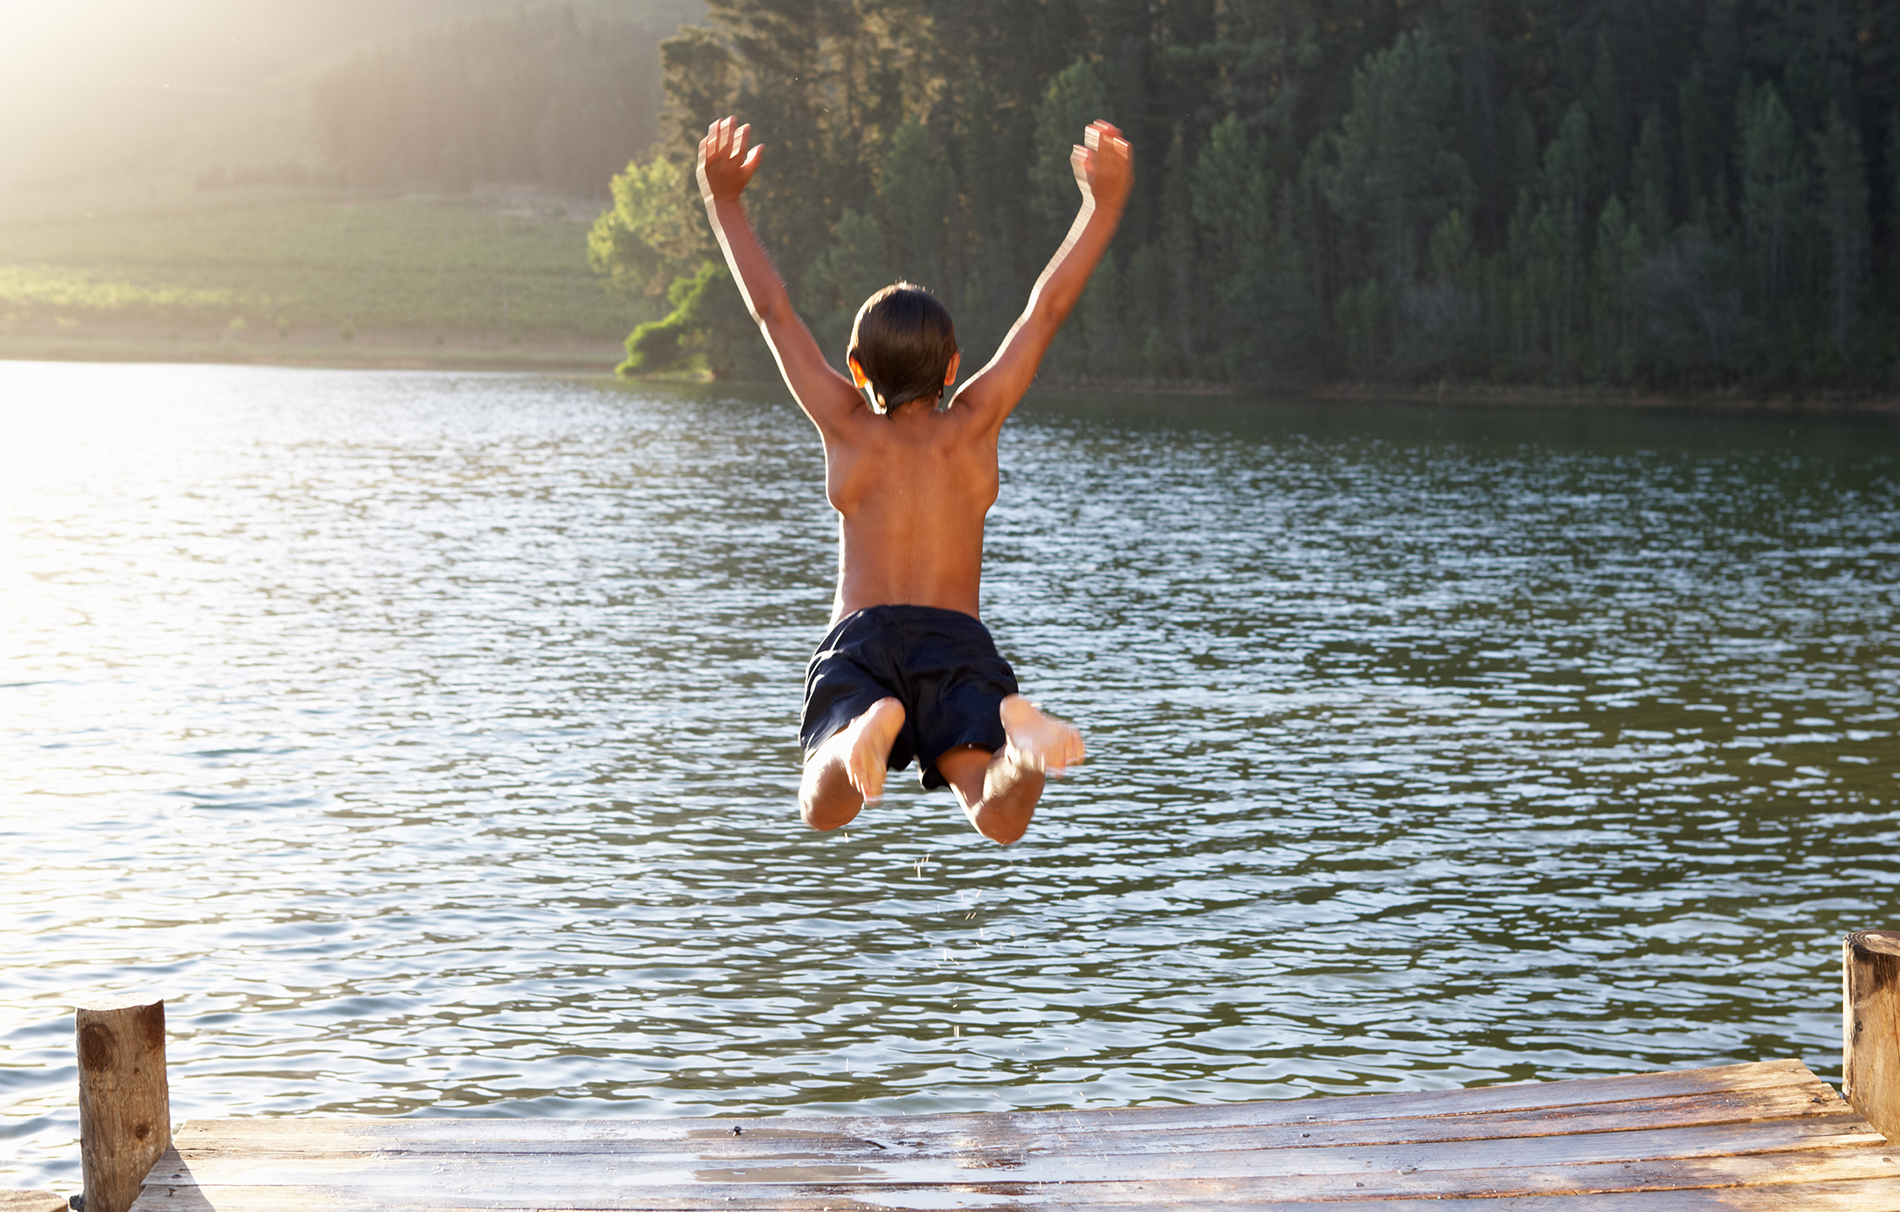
x: 725, y: 164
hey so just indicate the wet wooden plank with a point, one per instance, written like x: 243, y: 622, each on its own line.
x: 1763, y: 1134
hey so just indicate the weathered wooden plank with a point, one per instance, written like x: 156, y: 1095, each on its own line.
x: 1870, y: 1026
x: 1722, y: 1081
x: 1864, y: 1195
x: 1819, y: 1197
x: 1704, y: 1151
x: 31, y: 1201
x: 1053, y: 1158
x: 296, y: 1137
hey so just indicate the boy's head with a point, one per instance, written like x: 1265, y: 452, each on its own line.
x: 902, y: 344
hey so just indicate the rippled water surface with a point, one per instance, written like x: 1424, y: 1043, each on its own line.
x: 427, y: 740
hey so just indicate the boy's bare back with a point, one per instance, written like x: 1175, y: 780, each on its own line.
x: 911, y: 490
x: 913, y: 486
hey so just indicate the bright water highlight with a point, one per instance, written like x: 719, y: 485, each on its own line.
x: 428, y: 741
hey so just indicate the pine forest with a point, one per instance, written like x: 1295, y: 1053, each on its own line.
x: 1669, y: 194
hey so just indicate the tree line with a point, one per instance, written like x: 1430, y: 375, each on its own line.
x: 556, y: 96
x: 1670, y: 193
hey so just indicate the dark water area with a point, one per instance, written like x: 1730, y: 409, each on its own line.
x: 428, y: 741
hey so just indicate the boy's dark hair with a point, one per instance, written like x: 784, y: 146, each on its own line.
x: 904, y: 340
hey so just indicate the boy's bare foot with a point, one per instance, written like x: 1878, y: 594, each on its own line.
x: 1040, y: 741
x: 867, y: 741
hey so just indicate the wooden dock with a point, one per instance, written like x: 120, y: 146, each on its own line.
x: 1758, y: 1136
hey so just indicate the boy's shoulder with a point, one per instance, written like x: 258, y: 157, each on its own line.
x: 983, y: 402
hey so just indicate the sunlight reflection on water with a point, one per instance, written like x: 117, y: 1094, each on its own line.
x: 427, y: 739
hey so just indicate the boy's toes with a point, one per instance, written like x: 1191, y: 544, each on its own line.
x: 1073, y: 751
x: 1067, y: 753
x: 866, y: 776
x: 871, y: 738
x: 1046, y: 743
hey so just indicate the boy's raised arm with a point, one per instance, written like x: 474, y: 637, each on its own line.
x: 725, y: 168
x: 1104, y: 171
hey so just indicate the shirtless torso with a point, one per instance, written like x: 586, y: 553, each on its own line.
x: 911, y: 490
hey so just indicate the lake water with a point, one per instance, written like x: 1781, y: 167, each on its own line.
x: 427, y: 740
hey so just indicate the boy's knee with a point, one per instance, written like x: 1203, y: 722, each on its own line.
x: 824, y: 818
x: 1003, y: 834
x: 826, y: 812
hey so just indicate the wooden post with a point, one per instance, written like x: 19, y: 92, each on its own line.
x: 1870, y: 1027
x: 125, y: 1118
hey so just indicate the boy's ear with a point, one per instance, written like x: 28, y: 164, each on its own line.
x: 950, y: 371
x: 857, y: 372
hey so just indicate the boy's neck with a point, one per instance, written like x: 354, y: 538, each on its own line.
x: 920, y: 403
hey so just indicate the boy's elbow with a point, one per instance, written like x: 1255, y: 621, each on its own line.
x: 774, y: 320
x: 772, y: 311
x: 1052, y: 307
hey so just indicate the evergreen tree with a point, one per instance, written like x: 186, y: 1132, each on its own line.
x: 1650, y: 179
x: 1233, y: 215
x: 914, y: 194
x: 1181, y: 304
x: 1608, y: 115
x: 1774, y: 197
x: 1616, y: 273
x: 1841, y: 174
x: 1561, y: 230
x: 1706, y: 99
x: 846, y: 274
x: 1396, y: 174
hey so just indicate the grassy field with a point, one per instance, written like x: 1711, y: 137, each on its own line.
x: 308, y: 273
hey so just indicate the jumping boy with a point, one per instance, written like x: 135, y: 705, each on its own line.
x: 907, y: 670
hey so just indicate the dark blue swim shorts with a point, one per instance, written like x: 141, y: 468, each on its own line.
x: 941, y: 664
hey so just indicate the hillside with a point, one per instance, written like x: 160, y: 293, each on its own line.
x: 295, y: 278
x: 164, y: 192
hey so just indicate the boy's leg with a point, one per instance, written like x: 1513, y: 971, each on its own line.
x: 999, y: 791
x: 848, y: 768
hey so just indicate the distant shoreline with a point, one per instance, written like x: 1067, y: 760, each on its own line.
x: 370, y: 351
x: 404, y: 351
x: 1459, y: 394
x: 1594, y: 397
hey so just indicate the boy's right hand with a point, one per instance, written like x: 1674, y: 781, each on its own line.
x: 1104, y: 165
x: 725, y: 164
